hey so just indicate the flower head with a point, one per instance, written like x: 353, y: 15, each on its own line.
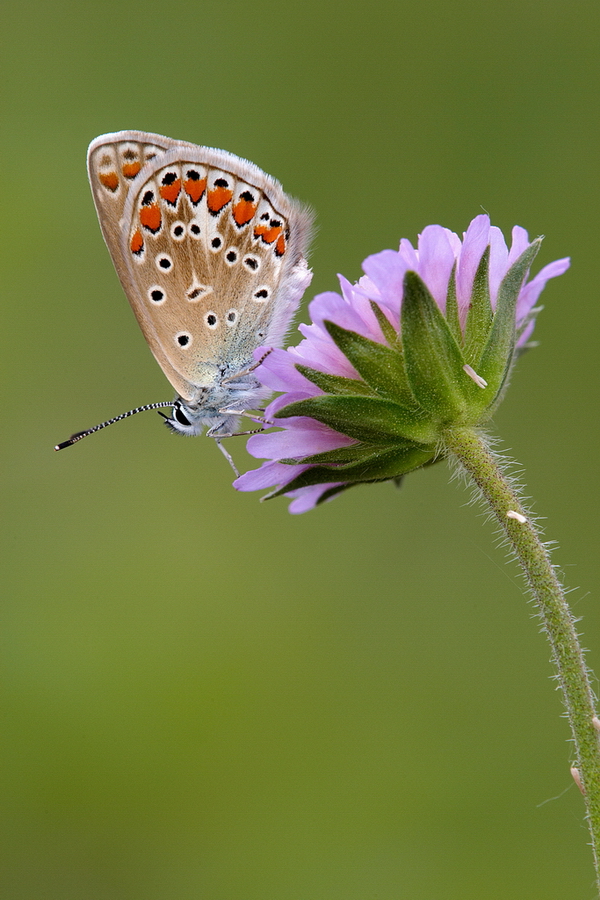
x: 423, y: 342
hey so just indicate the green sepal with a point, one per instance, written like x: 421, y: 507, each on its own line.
x: 388, y: 330
x: 373, y: 420
x: 347, y: 456
x: 434, y: 362
x: 497, y: 355
x: 385, y: 466
x: 452, y: 316
x: 381, y: 367
x: 480, y: 315
x: 336, y: 384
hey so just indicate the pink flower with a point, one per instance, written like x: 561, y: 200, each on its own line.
x: 360, y: 375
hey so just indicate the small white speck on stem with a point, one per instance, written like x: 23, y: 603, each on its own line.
x: 577, y: 779
x: 517, y: 516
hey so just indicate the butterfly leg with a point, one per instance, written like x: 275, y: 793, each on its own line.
x: 244, y: 433
x: 249, y: 370
x: 226, y: 454
x: 242, y: 412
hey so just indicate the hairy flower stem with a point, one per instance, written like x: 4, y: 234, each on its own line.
x: 472, y: 452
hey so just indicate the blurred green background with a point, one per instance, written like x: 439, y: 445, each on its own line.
x: 204, y: 697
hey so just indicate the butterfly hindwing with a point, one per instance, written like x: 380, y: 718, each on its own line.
x: 208, y: 249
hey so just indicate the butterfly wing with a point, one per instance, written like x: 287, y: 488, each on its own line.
x: 208, y: 248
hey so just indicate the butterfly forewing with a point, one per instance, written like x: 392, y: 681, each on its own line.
x: 205, y: 245
x: 114, y: 161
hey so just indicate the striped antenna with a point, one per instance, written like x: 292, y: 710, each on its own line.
x: 81, y: 434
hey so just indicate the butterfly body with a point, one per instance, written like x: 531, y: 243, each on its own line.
x: 211, y: 408
x: 210, y: 252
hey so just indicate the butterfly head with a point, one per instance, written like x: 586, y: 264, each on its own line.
x: 184, y: 419
x: 190, y: 418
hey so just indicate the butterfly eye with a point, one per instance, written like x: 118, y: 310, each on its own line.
x: 179, y: 416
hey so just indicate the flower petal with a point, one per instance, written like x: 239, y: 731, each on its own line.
x: 387, y: 270
x: 498, y: 261
x: 475, y: 241
x: 530, y: 293
x: 308, y: 497
x: 436, y: 260
x: 269, y: 474
x: 278, y: 371
x: 520, y: 243
x: 319, y: 352
x: 285, y: 400
x: 301, y: 437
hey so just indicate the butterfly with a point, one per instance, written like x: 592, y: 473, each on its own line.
x: 210, y: 252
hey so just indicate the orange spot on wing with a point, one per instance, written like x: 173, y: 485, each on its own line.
x: 150, y: 217
x: 243, y: 211
x: 218, y: 198
x: 110, y: 180
x: 170, y: 192
x: 195, y: 189
x: 267, y: 233
x: 280, y: 245
x: 130, y: 170
x: 137, y: 242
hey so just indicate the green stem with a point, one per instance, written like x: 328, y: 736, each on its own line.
x: 471, y: 450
